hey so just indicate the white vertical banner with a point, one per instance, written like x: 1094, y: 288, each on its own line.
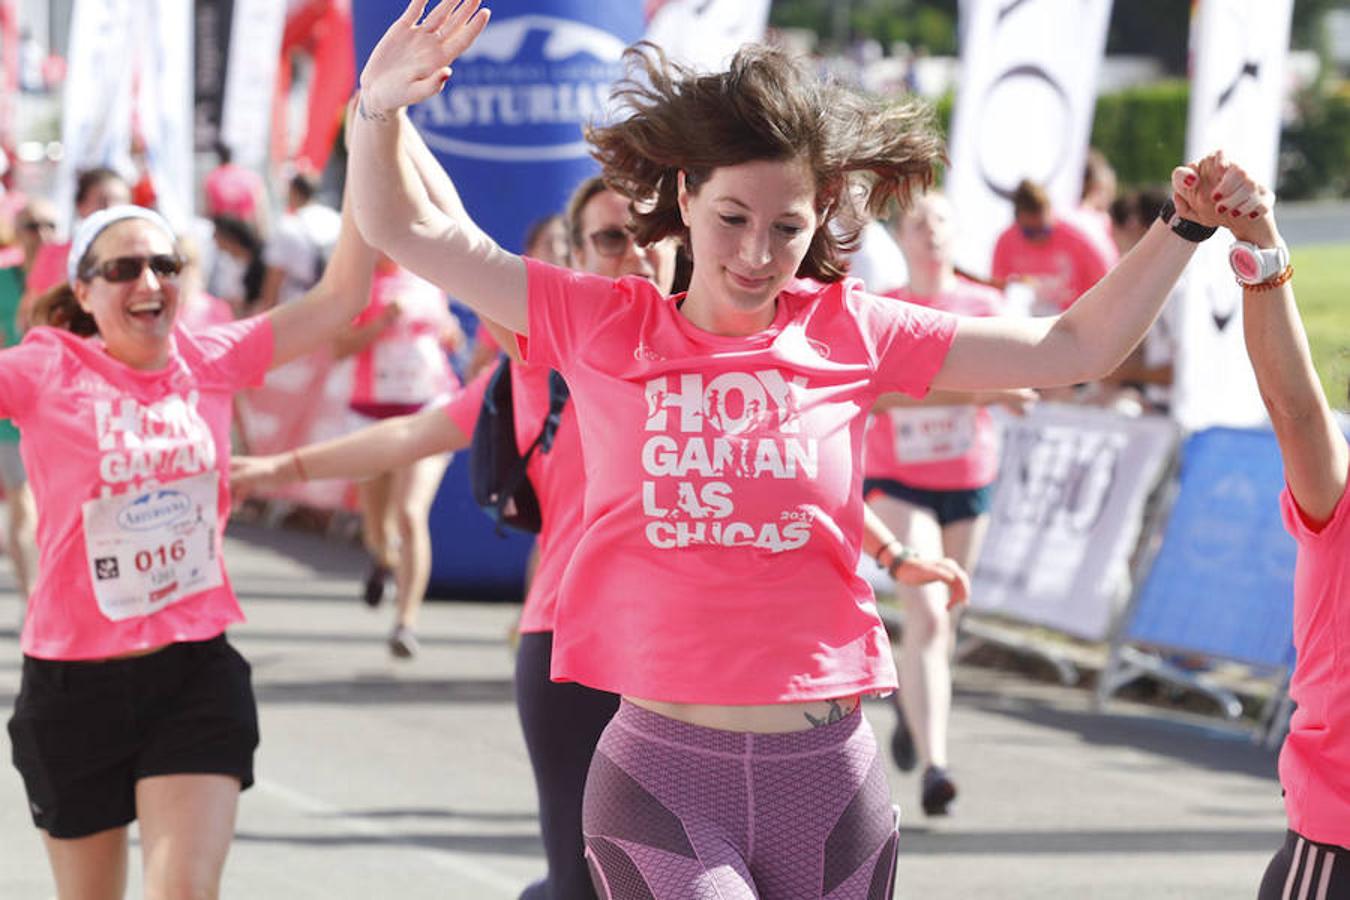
x: 96, y: 101
x: 705, y: 34
x: 251, y: 79
x: 1238, y: 51
x: 1023, y: 110
x: 164, y: 102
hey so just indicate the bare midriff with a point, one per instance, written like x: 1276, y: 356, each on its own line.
x: 774, y: 718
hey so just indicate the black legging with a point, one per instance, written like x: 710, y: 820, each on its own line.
x: 562, y: 724
x: 1304, y: 869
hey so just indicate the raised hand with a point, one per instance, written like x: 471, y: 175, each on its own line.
x: 1218, y: 192
x: 412, y: 62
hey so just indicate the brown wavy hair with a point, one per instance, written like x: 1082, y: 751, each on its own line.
x: 865, y: 153
x: 58, y: 308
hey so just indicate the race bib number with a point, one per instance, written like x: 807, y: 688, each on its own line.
x: 150, y: 549
x: 409, y: 370
x: 933, y: 434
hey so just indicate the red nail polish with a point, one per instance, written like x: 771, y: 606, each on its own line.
x: 1223, y: 209
x: 1236, y: 214
x: 1252, y: 214
x: 1218, y: 195
x: 1190, y: 180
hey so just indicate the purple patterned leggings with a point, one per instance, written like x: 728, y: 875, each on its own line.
x: 679, y: 812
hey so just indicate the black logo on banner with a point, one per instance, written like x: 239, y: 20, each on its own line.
x: 1027, y: 82
x: 105, y: 568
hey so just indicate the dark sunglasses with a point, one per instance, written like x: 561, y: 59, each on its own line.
x: 38, y: 225
x: 128, y: 268
x: 611, y: 242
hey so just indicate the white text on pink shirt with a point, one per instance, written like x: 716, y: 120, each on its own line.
x: 742, y: 425
x: 142, y: 445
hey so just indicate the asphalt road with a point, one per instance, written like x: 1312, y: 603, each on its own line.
x: 384, y: 779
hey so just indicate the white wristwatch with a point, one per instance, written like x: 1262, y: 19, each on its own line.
x: 1253, y: 265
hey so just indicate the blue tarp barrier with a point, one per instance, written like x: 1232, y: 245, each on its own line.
x: 1222, y: 584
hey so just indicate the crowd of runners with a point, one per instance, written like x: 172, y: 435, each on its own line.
x: 695, y: 642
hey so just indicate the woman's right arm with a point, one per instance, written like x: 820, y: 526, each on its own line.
x: 393, y: 208
x: 1314, y: 449
x: 391, y: 444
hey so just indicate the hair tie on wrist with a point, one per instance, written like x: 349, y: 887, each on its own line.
x: 299, y: 466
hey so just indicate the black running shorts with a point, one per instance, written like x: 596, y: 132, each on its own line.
x: 83, y: 733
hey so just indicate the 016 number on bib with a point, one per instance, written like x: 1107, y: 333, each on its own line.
x: 149, y: 549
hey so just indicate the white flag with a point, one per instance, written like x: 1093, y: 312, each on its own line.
x: 1023, y: 110
x: 1238, y: 50
x: 251, y: 79
x: 705, y: 34
x: 96, y: 100
x: 164, y: 102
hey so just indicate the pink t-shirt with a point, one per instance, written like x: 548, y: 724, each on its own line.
x: 49, y: 268
x: 557, y: 477
x: 1315, y: 761
x: 129, y: 471
x: 405, y: 367
x: 723, y: 508
x: 938, y: 448
x: 1063, y: 266
x: 232, y: 190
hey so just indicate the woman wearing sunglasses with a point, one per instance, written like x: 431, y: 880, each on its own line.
x: 36, y: 223
x: 132, y: 703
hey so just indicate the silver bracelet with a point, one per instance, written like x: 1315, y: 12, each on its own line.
x: 367, y: 114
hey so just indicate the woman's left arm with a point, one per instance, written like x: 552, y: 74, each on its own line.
x: 1097, y: 333
x: 314, y: 319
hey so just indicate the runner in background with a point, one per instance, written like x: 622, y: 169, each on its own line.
x: 714, y: 589
x: 234, y: 191
x: 400, y: 342
x: 36, y: 227
x: 1053, y: 257
x: 298, y: 251
x: 132, y: 703
x: 1314, y: 862
x: 95, y: 189
x: 929, y: 471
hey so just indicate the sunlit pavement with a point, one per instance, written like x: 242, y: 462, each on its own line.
x: 388, y: 779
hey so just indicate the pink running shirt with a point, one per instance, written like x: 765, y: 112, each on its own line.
x: 938, y: 448
x: 1063, y: 267
x: 97, y: 435
x: 405, y: 367
x: 232, y: 190
x: 49, y: 268
x: 557, y: 477
x: 1315, y: 761
x: 723, y: 509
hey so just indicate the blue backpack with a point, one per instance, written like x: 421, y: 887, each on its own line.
x: 497, y: 468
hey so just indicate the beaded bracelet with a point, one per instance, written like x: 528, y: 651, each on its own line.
x: 1270, y: 284
x: 299, y: 467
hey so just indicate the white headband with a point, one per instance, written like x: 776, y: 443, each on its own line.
x: 90, y: 228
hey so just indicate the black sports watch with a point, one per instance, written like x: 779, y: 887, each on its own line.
x: 1191, y: 231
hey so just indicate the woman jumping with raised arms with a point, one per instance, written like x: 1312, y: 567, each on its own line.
x: 713, y: 585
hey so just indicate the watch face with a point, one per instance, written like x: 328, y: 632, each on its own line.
x: 1244, y: 264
